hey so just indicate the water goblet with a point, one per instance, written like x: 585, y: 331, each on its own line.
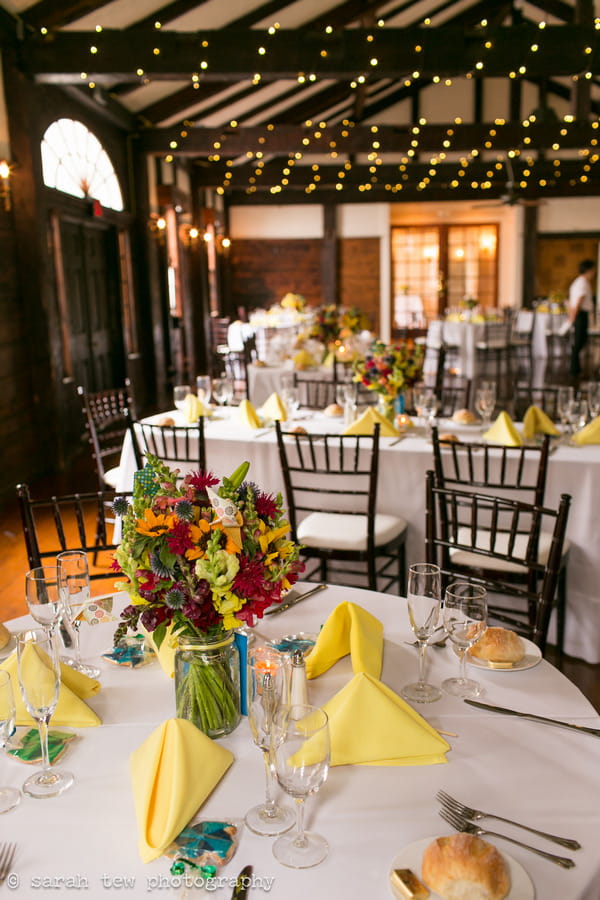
x: 180, y: 392
x: 426, y: 404
x: 301, y: 752
x: 75, y: 591
x: 267, y: 691
x: 222, y: 390
x: 424, y: 600
x: 9, y: 797
x: 593, y: 398
x: 485, y: 401
x: 291, y: 401
x: 204, y: 388
x: 43, y: 593
x: 465, y: 620
x: 577, y: 414
x: 346, y: 393
x: 39, y: 681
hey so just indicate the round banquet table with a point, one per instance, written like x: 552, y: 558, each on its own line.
x: 545, y: 776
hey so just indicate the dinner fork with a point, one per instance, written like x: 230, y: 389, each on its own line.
x: 7, y: 854
x: 469, y: 813
x: 462, y: 825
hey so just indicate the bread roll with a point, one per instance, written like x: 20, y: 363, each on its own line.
x: 448, y: 439
x: 5, y: 636
x: 463, y: 867
x: 334, y: 409
x: 499, y: 645
x: 464, y: 416
x: 166, y: 420
x: 298, y: 430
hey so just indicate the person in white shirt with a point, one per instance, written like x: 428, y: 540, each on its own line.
x: 581, y: 304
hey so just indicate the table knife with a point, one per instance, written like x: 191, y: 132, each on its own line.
x: 242, y: 883
x: 513, y: 712
x: 293, y: 600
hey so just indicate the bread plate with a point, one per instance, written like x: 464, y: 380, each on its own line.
x: 532, y: 657
x: 410, y: 858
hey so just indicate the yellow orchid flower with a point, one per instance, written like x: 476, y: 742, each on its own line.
x: 271, y: 535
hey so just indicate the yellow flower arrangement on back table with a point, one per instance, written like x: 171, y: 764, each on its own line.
x: 201, y: 560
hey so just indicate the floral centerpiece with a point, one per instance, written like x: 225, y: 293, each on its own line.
x: 326, y: 326
x: 353, y: 320
x: 390, y: 369
x: 293, y: 301
x: 201, y: 560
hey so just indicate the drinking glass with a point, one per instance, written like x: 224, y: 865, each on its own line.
x: 593, y: 397
x: 9, y: 797
x: 291, y: 400
x: 465, y: 618
x: 485, y: 401
x: 287, y: 380
x: 564, y: 396
x: 577, y: 414
x: 424, y: 600
x: 222, y: 390
x: 267, y: 687
x: 44, y: 596
x: 301, y: 751
x: 346, y: 393
x: 39, y: 681
x: 180, y: 392
x: 426, y: 404
x: 204, y: 388
x: 75, y: 590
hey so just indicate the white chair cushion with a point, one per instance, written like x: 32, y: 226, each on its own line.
x: 337, y: 531
x: 475, y: 561
x: 111, y: 477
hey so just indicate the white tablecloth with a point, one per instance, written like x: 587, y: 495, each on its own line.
x: 545, y: 324
x: 572, y: 470
x: 544, y: 776
x: 463, y: 337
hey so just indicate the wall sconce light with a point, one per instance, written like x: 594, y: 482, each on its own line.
x: 157, y: 224
x: 226, y: 243
x: 5, y: 170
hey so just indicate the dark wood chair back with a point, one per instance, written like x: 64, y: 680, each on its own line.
x: 105, y: 414
x: 172, y: 444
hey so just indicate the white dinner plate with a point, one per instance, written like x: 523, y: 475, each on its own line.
x: 8, y: 649
x: 533, y: 655
x: 521, y: 886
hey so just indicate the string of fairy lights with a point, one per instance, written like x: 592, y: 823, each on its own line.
x: 258, y: 170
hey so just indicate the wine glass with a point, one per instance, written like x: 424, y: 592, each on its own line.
x: 301, y: 751
x: 9, y: 797
x: 346, y: 392
x: 564, y: 396
x: 291, y: 401
x: 267, y: 687
x: 593, y: 398
x: 424, y: 604
x: 485, y: 401
x: 39, y: 681
x: 204, y: 388
x: 426, y: 404
x: 222, y: 390
x: 44, y: 596
x: 180, y: 392
x: 75, y: 592
x: 577, y: 414
x: 465, y: 618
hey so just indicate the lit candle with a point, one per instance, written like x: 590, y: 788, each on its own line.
x: 403, y: 421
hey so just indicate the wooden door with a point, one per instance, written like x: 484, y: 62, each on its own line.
x: 91, y: 303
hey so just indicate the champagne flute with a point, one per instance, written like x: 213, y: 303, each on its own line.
x: 222, y: 389
x: 424, y: 602
x: 9, y: 797
x: 465, y: 618
x: 564, y: 396
x: 301, y: 751
x: 267, y: 687
x: 180, y: 392
x: 43, y: 593
x: 291, y: 401
x: 485, y: 401
x: 577, y: 414
x: 593, y: 397
x: 204, y: 388
x: 426, y: 404
x: 39, y: 681
x: 75, y: 592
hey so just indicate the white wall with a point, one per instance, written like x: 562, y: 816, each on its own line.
x: 298, y: 221
x: 565, y: 214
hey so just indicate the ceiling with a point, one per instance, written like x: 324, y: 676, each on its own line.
x: 317, y: 100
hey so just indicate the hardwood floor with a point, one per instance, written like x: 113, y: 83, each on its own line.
x: 82, y: 478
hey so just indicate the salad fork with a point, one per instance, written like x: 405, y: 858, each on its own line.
x: 468, y: 812
x: 7, y: 854
x: 462, y: 825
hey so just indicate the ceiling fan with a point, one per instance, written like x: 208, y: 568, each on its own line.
x: 511, y: 196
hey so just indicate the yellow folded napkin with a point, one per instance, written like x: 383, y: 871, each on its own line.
x: 366, y: 423
x: 370, y: 725
x: 535, y: 421
x: 303, y: 360
x: 590, y: 434
x: 274, y: 408
x: 74, y: 687
x: 172, y: 774
x: 193, y: 409
x: 504, y: 432
x: 349, y: 629
x: 247, y: 415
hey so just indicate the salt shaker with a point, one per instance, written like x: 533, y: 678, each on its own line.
x: 299, y: 684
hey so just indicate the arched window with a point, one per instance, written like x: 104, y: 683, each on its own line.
x: 74, y: 161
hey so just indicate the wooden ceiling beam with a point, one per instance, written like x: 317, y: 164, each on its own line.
x: 284, y: 139
x: 50, y: 14
x: 447, y: 51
